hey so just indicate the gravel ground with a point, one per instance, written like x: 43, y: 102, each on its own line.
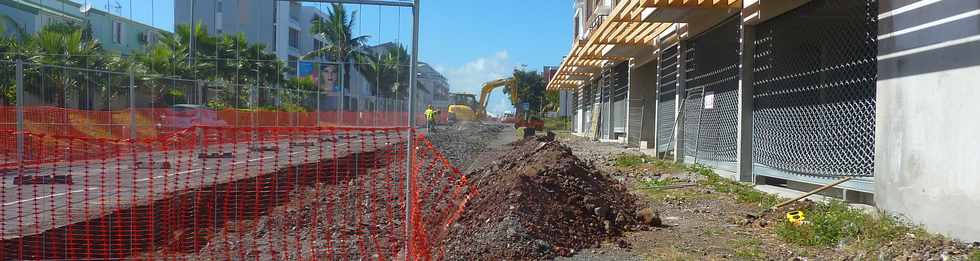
x: 463, y: 142
x: 703, y: 224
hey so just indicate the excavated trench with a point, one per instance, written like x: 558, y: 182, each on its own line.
x: 183, y: 222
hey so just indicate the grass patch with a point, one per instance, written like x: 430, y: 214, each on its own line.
x: 632, y: 160
x: 832, y: 223
x: 743, y: 193
x: 975, y: 256
x: 748, y: 249
x: 640, y: 160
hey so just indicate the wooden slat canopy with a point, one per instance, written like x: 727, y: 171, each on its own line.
x: 627, y: 25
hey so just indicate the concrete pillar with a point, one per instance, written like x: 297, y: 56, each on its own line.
x: 743, y: 152
x: 681, y: 95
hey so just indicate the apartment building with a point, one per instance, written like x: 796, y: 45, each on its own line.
x: 114, y: 32
x: 793, y: 94
x: 282, y: 26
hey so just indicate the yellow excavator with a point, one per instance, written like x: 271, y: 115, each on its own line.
x: 463, y: 107
x: 514, y: 98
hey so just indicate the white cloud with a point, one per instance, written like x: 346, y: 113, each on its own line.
x: 470, y: 78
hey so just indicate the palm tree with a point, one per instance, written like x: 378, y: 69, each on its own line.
x: 388, y: 70
x: 340, y: 45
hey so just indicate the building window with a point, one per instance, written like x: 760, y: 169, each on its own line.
x: 317, y: 44
x: 220, y: 6
x: 293, y: 62
x: 117, y: 31
x: 293, y: 38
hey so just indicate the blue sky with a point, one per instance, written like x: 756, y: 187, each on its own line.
x: 469, y: 41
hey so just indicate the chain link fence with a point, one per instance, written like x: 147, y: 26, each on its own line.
x: 711, y: 103
x: 815, y: 78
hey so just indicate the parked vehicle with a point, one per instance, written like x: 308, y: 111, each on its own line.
x: 182, y: 116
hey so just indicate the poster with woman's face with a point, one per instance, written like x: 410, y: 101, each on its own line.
x: 328, y: 80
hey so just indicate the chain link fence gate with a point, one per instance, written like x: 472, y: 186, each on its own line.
x: 666, y: 96
x: 711, y: 106
x: 814, y: 96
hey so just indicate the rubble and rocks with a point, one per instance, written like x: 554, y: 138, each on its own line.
x: 537, y: 201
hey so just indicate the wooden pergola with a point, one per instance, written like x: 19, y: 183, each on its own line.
x: 632, y: 23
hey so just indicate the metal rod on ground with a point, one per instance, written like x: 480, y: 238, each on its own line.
x: 697, y: 141
x: 20, y: 113
x: 411, y: 125
x: 815, y: 191
x: 784, y: 203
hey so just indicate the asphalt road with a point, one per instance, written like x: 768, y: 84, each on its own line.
x: 103, y: 186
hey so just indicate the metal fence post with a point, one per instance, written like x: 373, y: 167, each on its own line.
x: 743, y: 152
x: 132, y: 105
x: 410, y: 146
x: 20, y: 112
x: 681, y: 98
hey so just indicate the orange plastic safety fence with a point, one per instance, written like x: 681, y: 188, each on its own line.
x: 220, y: 193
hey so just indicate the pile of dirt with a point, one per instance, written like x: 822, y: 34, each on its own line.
x: 538, y: 201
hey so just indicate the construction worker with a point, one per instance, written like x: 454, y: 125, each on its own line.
x: 430, y: 117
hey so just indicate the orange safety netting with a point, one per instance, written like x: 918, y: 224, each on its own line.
x: 259, y: 193
x: 147, y: 124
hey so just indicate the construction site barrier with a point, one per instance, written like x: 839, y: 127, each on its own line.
x: 229, y: 193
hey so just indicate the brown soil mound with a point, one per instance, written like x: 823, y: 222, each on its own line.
x: 538, y: 201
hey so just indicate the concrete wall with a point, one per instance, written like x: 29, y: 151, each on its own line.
x: 928, y: 136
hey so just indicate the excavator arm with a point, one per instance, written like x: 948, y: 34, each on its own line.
x: 490, y: 86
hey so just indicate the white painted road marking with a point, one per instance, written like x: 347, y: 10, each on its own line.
x: 49, y: 196
x: 168, y: 175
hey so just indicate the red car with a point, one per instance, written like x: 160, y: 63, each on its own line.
x: 183, y: 116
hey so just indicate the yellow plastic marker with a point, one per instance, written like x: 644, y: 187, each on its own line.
x: 795, y: 217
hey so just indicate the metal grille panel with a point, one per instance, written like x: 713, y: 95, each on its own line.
x: 814, y: 96
x: 712, y: 61
x: 616, y: 79
x: 666, y: 96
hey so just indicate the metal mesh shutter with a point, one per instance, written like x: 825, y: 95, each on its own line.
x: 815, y: 75
x: 666, y: 95
x: 712, y: 61
x: 587, y: 100
x: 616, y: 79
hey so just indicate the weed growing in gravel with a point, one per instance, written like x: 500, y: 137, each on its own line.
x: 743, y: 193
x: 975, y: 256
x: 638, y: 160
x: 748, y: 249
x: 631, y: 160
x: 832, y: 223
x: 657, y: 183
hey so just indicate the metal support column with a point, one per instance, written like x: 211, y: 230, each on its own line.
x: 132, y: 105
x: 743, y: 152
x: 20, y: 113
x: 656, y: 106
x: 410, y: 146
x: 680, y: 97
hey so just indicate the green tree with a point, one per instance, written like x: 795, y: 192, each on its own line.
x: 530, y: 88
x: 341, y: 45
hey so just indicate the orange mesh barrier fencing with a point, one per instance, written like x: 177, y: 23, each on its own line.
x: 228, y: 193
x: 147, y: 124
